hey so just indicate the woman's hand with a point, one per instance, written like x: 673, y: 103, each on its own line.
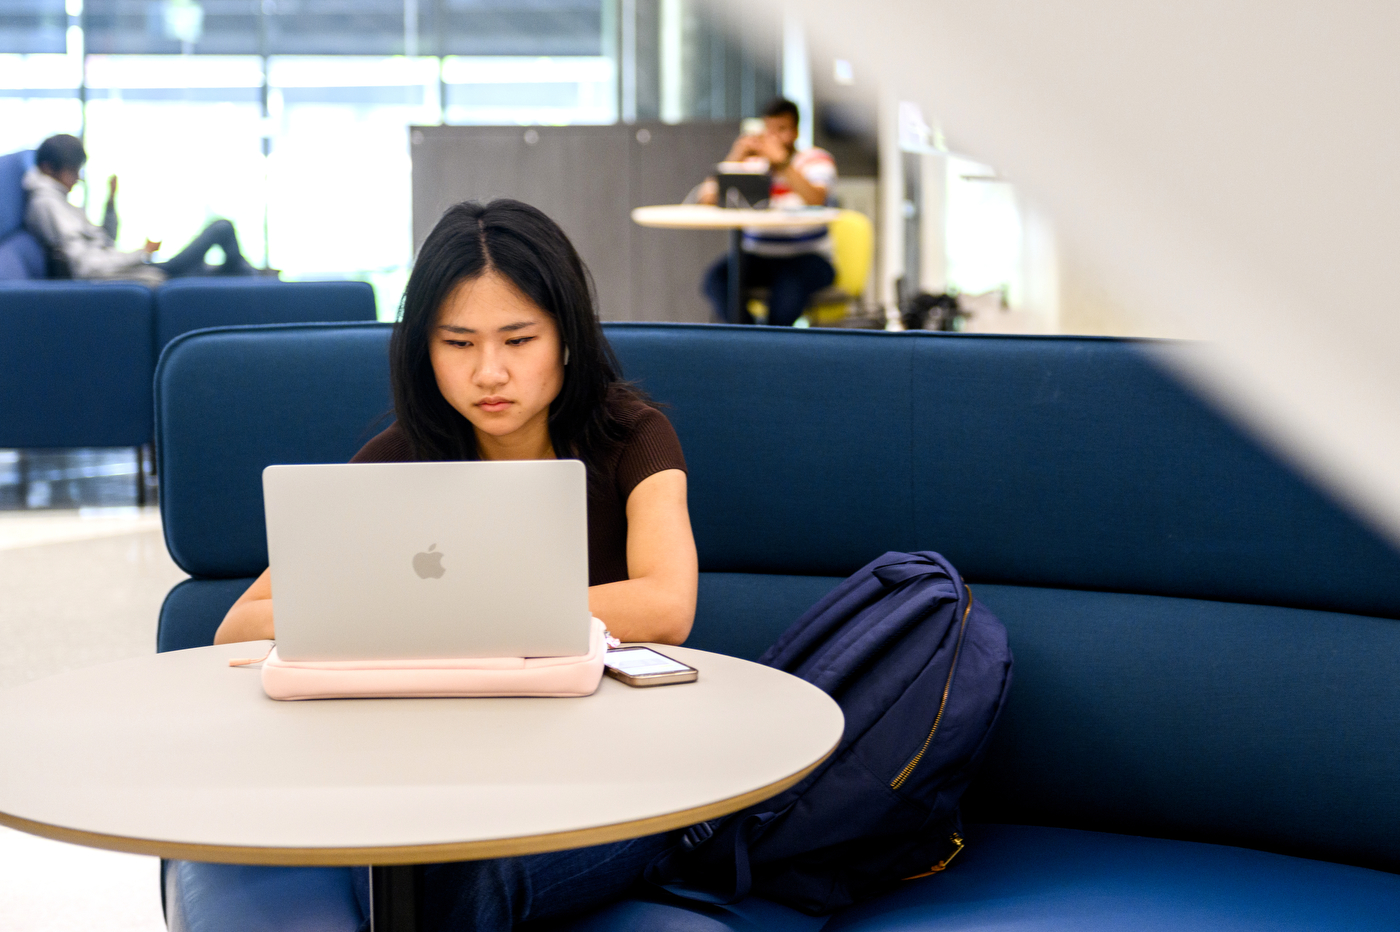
x: 657, y: 602
x: 250, y: 618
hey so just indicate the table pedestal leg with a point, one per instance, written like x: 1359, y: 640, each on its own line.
x: 736, y: 285
x: 140, y: 475
x: 393, y: 898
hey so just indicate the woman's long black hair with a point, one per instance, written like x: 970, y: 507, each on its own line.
x: 527, y: 248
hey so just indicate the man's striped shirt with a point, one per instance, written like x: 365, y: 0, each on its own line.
x: 819, y: 168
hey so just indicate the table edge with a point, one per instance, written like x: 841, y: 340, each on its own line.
x: 411, y: 854
x: 825, y: 220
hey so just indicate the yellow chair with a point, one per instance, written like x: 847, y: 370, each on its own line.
x: 852, y: 252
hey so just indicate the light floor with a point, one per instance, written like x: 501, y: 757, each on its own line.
x: 77, y: 587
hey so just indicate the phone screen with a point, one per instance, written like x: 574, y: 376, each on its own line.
x: 642, y: 661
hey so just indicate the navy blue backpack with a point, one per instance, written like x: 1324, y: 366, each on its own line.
x: 921, y: 671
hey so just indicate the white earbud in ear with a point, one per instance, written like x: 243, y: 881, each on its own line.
x: 566, y: 355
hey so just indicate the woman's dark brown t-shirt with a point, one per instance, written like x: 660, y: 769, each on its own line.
x: 650, y: 446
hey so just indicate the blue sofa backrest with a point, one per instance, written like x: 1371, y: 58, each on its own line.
x: 75, y: 370
x: 12, y: 169
x: 1175, y: 595
x: 1065, y: 462
x: 21, y: 255
x: 308, y: 393
x: 187, y: 304
x: 1068, y: 462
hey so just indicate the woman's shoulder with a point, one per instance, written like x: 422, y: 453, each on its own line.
x: 627, y: 406
x: 637, y: 416
x: 391, y: 445
x: 649, y: 443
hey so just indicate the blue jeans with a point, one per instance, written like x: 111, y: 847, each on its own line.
x: 790, y: 282
x: 190, y: 260
x: 497, y: 895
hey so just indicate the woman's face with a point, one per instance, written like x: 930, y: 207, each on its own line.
x: 498, y: 360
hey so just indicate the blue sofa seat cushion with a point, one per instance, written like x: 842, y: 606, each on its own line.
x: 1010, y: 877
x: 1253, y: 725
x: 202, y: 897
x: 236, y: 898
x: 1065, y: 880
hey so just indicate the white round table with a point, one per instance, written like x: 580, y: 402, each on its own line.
x: 182, y: 756
x: 709, y: 217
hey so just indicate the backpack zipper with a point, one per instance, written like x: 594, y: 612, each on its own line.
x: 904, y: 774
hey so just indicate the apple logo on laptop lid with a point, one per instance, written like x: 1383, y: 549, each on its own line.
x: 428, y: 564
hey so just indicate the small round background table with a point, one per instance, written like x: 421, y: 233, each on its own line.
x: 182, y: 756
x: 708, y: 217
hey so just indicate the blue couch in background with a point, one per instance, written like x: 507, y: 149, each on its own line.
x: 77, y: 358
x: 76, y: 363
x: 186, y: 304
x: 1202, y: 733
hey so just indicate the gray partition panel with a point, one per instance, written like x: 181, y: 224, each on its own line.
x: 588, y: 178
x: 564, y: 173
x: 667, y: 265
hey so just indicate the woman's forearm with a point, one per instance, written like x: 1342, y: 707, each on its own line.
x: 644, y: 610
x: 657, y: 602
x: 250, y: 619
x: 246, y: 621
x: 633, y: 610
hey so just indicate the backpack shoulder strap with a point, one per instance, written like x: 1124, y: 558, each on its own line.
x: 729, y: 845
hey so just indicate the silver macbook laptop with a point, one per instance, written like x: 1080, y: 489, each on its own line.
x: 428, y: 560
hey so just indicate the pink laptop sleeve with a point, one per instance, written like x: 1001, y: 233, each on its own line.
x: 479, y: 676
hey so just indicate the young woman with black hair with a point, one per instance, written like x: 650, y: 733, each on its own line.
x: 498, y: 354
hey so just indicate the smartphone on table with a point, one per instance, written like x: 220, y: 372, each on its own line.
x: 642, y: 666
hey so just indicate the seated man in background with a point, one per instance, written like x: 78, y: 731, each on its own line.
x: 89, y: 251
x: 793, y: 263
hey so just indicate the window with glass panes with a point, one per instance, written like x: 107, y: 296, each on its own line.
x: 290, y: 117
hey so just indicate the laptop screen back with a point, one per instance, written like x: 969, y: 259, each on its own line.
x: 428, y: 560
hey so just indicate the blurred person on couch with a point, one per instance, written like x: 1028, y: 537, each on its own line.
x: 78, y: 248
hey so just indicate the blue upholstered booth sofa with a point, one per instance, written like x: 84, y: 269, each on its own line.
x: 1204, y: 728
x: 76, y: 363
